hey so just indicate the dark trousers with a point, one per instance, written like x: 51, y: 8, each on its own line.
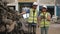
x: 44, y: 30
x: 32, y: 28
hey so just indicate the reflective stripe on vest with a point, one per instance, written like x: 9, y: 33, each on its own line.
x: 42, y: 20
x: 30, y: 19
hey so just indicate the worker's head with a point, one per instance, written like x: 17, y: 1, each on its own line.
x: 35, y: 5
x: 44, y: 8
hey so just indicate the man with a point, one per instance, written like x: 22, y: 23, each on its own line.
x: 44, y: 20
x: 32, y: 20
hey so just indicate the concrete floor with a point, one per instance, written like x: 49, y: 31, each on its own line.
x: 53, y: 29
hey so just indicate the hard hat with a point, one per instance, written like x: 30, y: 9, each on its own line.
x: 45, y: 6
x: 35, y: 3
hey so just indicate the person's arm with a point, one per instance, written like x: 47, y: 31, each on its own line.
x: 23, y: 12
x: 38, y: 19
x: 49, y: 17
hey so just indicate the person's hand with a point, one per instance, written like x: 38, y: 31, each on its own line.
x: 38, y: 26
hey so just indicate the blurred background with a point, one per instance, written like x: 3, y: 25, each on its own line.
x: 53, y: 7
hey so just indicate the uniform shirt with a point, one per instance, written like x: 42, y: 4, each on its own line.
x: 39, y: 14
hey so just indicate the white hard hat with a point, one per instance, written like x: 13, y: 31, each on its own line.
x: 45, y: 6
x: 35, y: 3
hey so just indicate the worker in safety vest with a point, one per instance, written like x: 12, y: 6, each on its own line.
x: 44, y: 20
x: 32, y: 20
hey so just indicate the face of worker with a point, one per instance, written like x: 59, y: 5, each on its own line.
x: 44, y: 9
x: 34, y: 6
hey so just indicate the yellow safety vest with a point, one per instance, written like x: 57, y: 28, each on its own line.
x: 45, y: 23
x: 30, y: 19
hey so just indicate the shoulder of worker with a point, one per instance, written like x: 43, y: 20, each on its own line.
x: 33, y: 9
x: 41, y: 13
x: 48, y: 13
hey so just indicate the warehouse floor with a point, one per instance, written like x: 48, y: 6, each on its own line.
x: 53, y: 29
